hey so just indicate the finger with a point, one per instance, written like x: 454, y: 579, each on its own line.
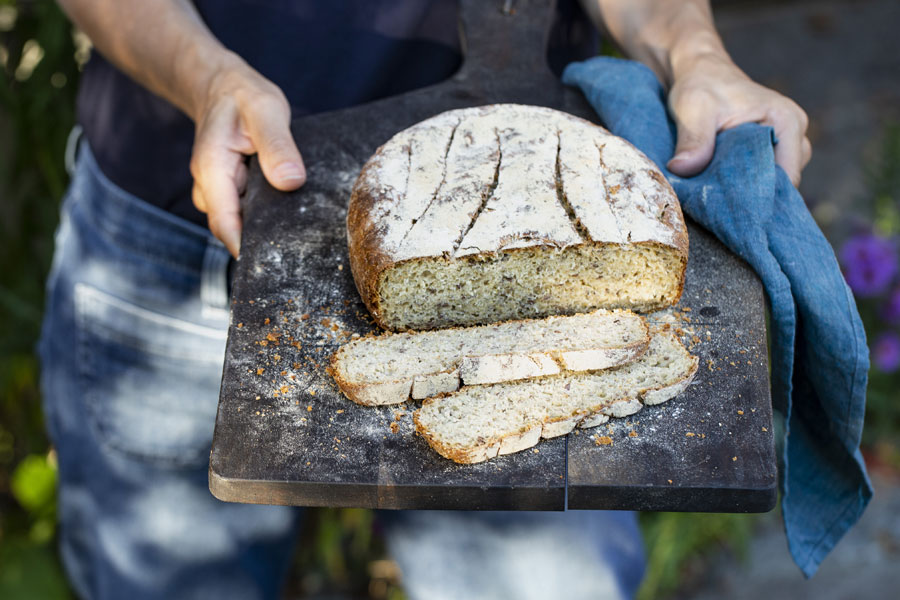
x: 225, y: 224
x: 268, y: 124
x: 807, y: 151
x: 789, y: 149
x: 199, y: 200
x: 224, y: 216
x: 240, y: 178
x: 696, y: 141
x: 215, y: 172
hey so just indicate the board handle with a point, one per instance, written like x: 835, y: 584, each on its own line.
x: 505, y: 38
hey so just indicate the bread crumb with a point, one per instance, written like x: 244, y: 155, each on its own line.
x: 340, y: 267
x: 689, y: 434
x: 340, y: 411
x: 266, y: 322
x: 395, y: 427
x: 740, y: 412
x: 304, y: 316
x: 734, y: 459
x: 764, y: 429
x: 632, y: 433
x: 669, y: 480
x: 603, y: 440
x: 309, y: 408
x: 240, y: 325
x: 312, y: 392
x: 536, y: 451
x: 260, y: 371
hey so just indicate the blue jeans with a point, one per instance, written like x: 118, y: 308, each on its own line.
x: 132, y: 350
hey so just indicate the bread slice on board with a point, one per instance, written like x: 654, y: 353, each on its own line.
x: 394, y: 367
x: 480, y: 422
x: 491, y: 213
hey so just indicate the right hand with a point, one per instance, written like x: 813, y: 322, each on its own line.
x: 241, y: 113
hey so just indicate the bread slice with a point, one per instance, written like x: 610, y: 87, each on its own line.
x: 480, y: 422
x: 392, y: 368
x: 491, y: 213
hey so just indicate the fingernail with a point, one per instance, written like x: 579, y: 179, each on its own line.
x: 290, y: 172
x: 679, y: 157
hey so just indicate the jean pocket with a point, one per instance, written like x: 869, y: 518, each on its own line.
x: 150, y: 381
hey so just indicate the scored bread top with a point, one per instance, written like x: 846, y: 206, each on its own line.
x: 494, y: 178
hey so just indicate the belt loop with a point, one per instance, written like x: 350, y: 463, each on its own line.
x: 214, y: 281
x: 71, y: 155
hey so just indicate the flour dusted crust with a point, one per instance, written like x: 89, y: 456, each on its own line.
x: 479, y: 185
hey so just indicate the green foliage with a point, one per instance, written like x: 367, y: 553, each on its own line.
x: 33, y: 484
x: 341, y: 553
x: 38, y: 77
x: 679, y: 542
x: 882, y: 406
x: 29, y: 571
x: 884, y: 183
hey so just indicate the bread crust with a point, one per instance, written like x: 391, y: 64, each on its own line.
x: 484, y: 369
x: 596, y: 415
x: 370, y: 230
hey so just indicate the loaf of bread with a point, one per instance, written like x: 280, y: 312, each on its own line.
x: 479, y: 422
x: 501, y: 212
x: 391, y: 368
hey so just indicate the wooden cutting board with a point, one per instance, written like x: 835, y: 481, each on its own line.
x: 285, y: 434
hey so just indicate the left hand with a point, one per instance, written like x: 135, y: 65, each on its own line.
x: 710, y: 94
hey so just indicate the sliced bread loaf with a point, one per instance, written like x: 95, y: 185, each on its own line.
x: 500, y: 212
x: 480, y: 422
x: 392, y: 368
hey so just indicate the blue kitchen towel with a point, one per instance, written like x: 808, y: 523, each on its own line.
x: 820, y: 360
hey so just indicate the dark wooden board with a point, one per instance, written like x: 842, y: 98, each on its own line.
x: 285, y: 435
x: 711, y: 448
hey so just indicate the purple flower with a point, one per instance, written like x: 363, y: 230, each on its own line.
x: 886, y: 352
x: 891, y: 310
x: 870, y: 264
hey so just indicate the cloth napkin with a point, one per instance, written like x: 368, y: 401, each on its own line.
x: 820, y: 360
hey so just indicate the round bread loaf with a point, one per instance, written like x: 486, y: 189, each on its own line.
x: 507, y: 211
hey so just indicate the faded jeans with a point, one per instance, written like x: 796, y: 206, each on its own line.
x: 132, y: 350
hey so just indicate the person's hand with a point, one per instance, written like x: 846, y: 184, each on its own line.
x: 711, y: 94
x: 241, y: 113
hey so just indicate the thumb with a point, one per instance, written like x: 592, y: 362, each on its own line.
x: 695, y: 146
x: 269, y: 127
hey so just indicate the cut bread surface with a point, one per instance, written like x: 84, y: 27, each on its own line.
x: 392, y: 368
x: 479, y: 422
x: 507, y: 211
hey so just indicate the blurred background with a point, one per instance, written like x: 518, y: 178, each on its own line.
x: 839, y: 59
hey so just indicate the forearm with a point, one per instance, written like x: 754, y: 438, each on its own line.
x: 162, y: 44
x: 666, y: 35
